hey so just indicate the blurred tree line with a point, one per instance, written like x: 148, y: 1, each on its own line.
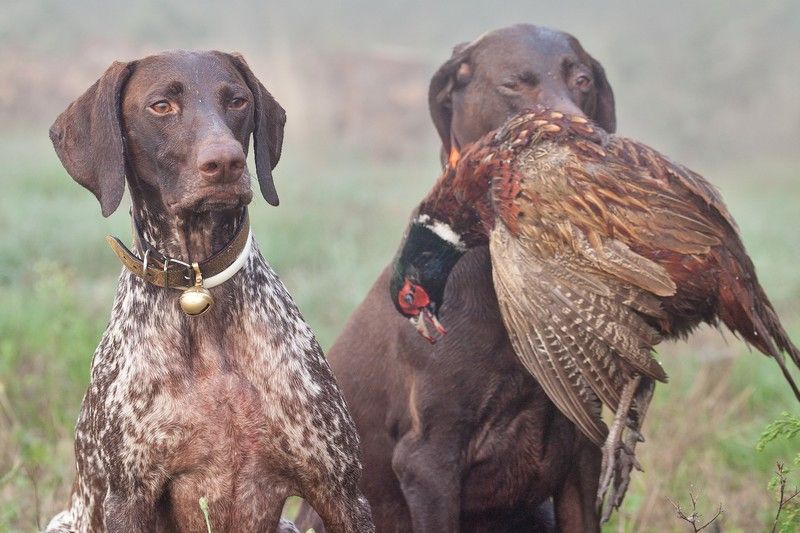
x: 708, y: 81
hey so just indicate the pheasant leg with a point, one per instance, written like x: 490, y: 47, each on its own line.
x: 633, y: 436
x: 619, y: 452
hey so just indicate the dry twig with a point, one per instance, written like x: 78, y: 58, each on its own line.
x: 781, y: 472
x: 693, y: 519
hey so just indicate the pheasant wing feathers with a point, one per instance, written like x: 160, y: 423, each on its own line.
x: 579, y: 336
x: 578, y: 287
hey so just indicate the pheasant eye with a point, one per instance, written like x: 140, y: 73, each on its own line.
x: 412, y: 298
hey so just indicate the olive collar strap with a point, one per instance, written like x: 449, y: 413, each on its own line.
x: 168, y: 272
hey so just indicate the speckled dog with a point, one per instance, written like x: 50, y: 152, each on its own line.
x: 236, y: 405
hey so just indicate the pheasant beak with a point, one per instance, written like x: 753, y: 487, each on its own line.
x: 436, y: 324
x: 420, y: 324
x: 416, y: 304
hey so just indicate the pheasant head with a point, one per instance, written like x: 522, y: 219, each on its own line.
x: 429, y: 252
x: 450, y: 220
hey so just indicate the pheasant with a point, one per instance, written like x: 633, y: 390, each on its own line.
x: 601, y: 247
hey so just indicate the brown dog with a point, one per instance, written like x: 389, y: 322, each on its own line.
x: 235, y: 404
x: 457, y: 436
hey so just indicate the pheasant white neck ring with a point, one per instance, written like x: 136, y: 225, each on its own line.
x: 443, y: 231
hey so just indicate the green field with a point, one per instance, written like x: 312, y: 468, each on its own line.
x: 338, y: 223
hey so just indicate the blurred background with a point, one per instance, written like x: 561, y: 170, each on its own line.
x: 712, y: 84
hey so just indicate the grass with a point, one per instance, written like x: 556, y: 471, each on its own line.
x: 340, y: 220
x: 203, y: 502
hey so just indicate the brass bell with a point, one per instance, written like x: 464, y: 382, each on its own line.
x: 196, y: 300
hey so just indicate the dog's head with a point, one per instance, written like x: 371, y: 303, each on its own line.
x: 177, y: 125
x: 511, y: 69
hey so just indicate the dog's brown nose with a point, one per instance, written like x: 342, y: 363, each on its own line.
x: 221, y: 161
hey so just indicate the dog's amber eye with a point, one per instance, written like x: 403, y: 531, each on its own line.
x: 583, y: 82
x: 161, y: 107
x: 237, y: 103
x: 511, y: 85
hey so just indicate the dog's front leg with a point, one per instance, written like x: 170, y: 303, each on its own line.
x: 342, y: 511
x: 429, y: 466
x: 575, y: 500
x: 129, y: 511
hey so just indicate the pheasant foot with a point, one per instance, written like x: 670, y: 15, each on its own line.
x: 619, y: 457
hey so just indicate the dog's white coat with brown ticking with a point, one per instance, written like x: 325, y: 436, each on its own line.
x: 237, y: 405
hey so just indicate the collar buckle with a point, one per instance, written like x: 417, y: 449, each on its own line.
x: 188, y: 275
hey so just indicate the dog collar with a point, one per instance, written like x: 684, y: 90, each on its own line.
x: 194, y: 278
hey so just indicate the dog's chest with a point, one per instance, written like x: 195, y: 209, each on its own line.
x: 191, y: 394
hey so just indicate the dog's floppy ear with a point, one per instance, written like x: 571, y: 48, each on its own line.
x: 440, y: 93
x: 604, y: 113
x: 87, y: 137
x: 268, y: 134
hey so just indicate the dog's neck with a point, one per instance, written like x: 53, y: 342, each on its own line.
x: 193, y: 237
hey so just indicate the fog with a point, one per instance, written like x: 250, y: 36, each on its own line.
x: 709, y: 83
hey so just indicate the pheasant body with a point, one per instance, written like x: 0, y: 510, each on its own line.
x: 600, y: 248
